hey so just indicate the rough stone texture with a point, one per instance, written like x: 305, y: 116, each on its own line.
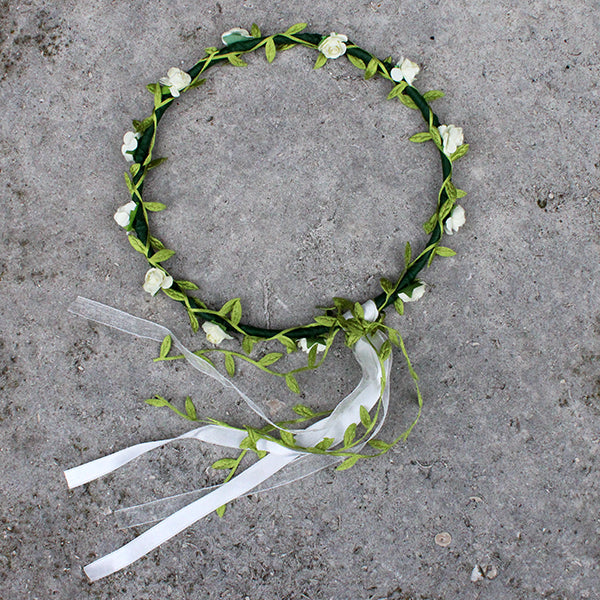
x: 286, y: 188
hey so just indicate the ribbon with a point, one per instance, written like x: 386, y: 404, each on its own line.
x: 280, y: 466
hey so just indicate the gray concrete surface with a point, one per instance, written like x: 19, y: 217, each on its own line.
x: 280, y: 178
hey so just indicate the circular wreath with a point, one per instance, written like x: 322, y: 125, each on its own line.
x: 343, y: 315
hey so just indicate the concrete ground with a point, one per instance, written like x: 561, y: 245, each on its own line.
x: 287, y: 186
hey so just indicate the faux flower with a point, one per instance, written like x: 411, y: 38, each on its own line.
x: 406, y: 70
x: 155, y: 280
x: 215, y: 334
x: 303, y: 345
x: 130, y: 143
x: 123, y: 214
x: 452, y: 137
x: 176, y: 80
x: 456, y: 220
x: 416, y: 294
x: 333, y: 46
x: 237, y: 34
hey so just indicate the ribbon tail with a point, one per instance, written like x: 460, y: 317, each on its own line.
x: 177, y: 522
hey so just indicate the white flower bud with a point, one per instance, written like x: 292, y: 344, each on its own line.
x: 333, y: 46
x: 456, y: 220
x: 155, y: 280
x: 176, y: 80
x: 215, y: 334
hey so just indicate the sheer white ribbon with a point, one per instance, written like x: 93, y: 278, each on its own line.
x: 280, y: 466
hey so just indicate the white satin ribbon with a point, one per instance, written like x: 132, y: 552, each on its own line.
x: 289, y: 464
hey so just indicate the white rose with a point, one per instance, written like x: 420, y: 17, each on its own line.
x: 215, y: 334
x: 123, y: 214
x: 333, y: 46
x: 406, y: 70
x: 416, y: 294
x: 155, y: 280
x: 176, y: 80
x: 235, y: 35
x: 452, y: 137
x: 303, y: 345
x: 130, y: 144
x: 456, y: 220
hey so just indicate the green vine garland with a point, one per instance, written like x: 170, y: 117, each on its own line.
x: 139, y: 146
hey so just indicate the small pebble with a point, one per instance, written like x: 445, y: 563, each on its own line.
x: 443, y: 539
x: 491, y: 572
x: 476, y: 574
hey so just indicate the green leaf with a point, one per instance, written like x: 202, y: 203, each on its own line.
x: 193, y: 321
x: 289, y: 344
x: 158, y: 401
x: 342, y: 304
x: 435, y: 135
x: 349, y: 434
x: 154, y: 206
x: 371, y: 68
x: 196, y: 83
x: 129, y: 183
x: 211, y: 50
x: 236, y: 312
x: 399, y: 306
x: 151, y: 87
x: 358, y: 311
x: 157, y: 161
x: 270, y: 359
x: 324, y: 443
x: 236, y: 61
x: 408, y: 101
x: 270, y: 50
x: 321, y: 60
x: 433, y: 95
x: 385, y: 350
x: 255, y: 30
x: 165, y: 346
x: 326, y: 321
x: 460, y: 151
x: 365, y: 418
x: 186, y: 285
x: 190, y: 409
x: 137, y: 245
x: 230, y: 365
x: 161, y: 256
x: 179, y: 296
x: 379, y: 445
x: 407, y: 254
x: 297, y: 28
x: 387, y: 286
x: 429, y: 226
x: 221, y: 511
x: 157, y: 95
x: 443, y: 251
x: 134, y: 168
x: 420, y: 137
x: 393, y: 335
x: 292, y: 383
x: 155, y: 243
x: 248, y: 343
x: 397, y: 90
x: 141, y: 126
x: 349, y: 462
x: 228, y: 306
x: 357, y: 62
x: 312, y: 355
x: 303, y: 411
x: 460, y: 193
x: 287, y: 438
x: 225, y: 463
